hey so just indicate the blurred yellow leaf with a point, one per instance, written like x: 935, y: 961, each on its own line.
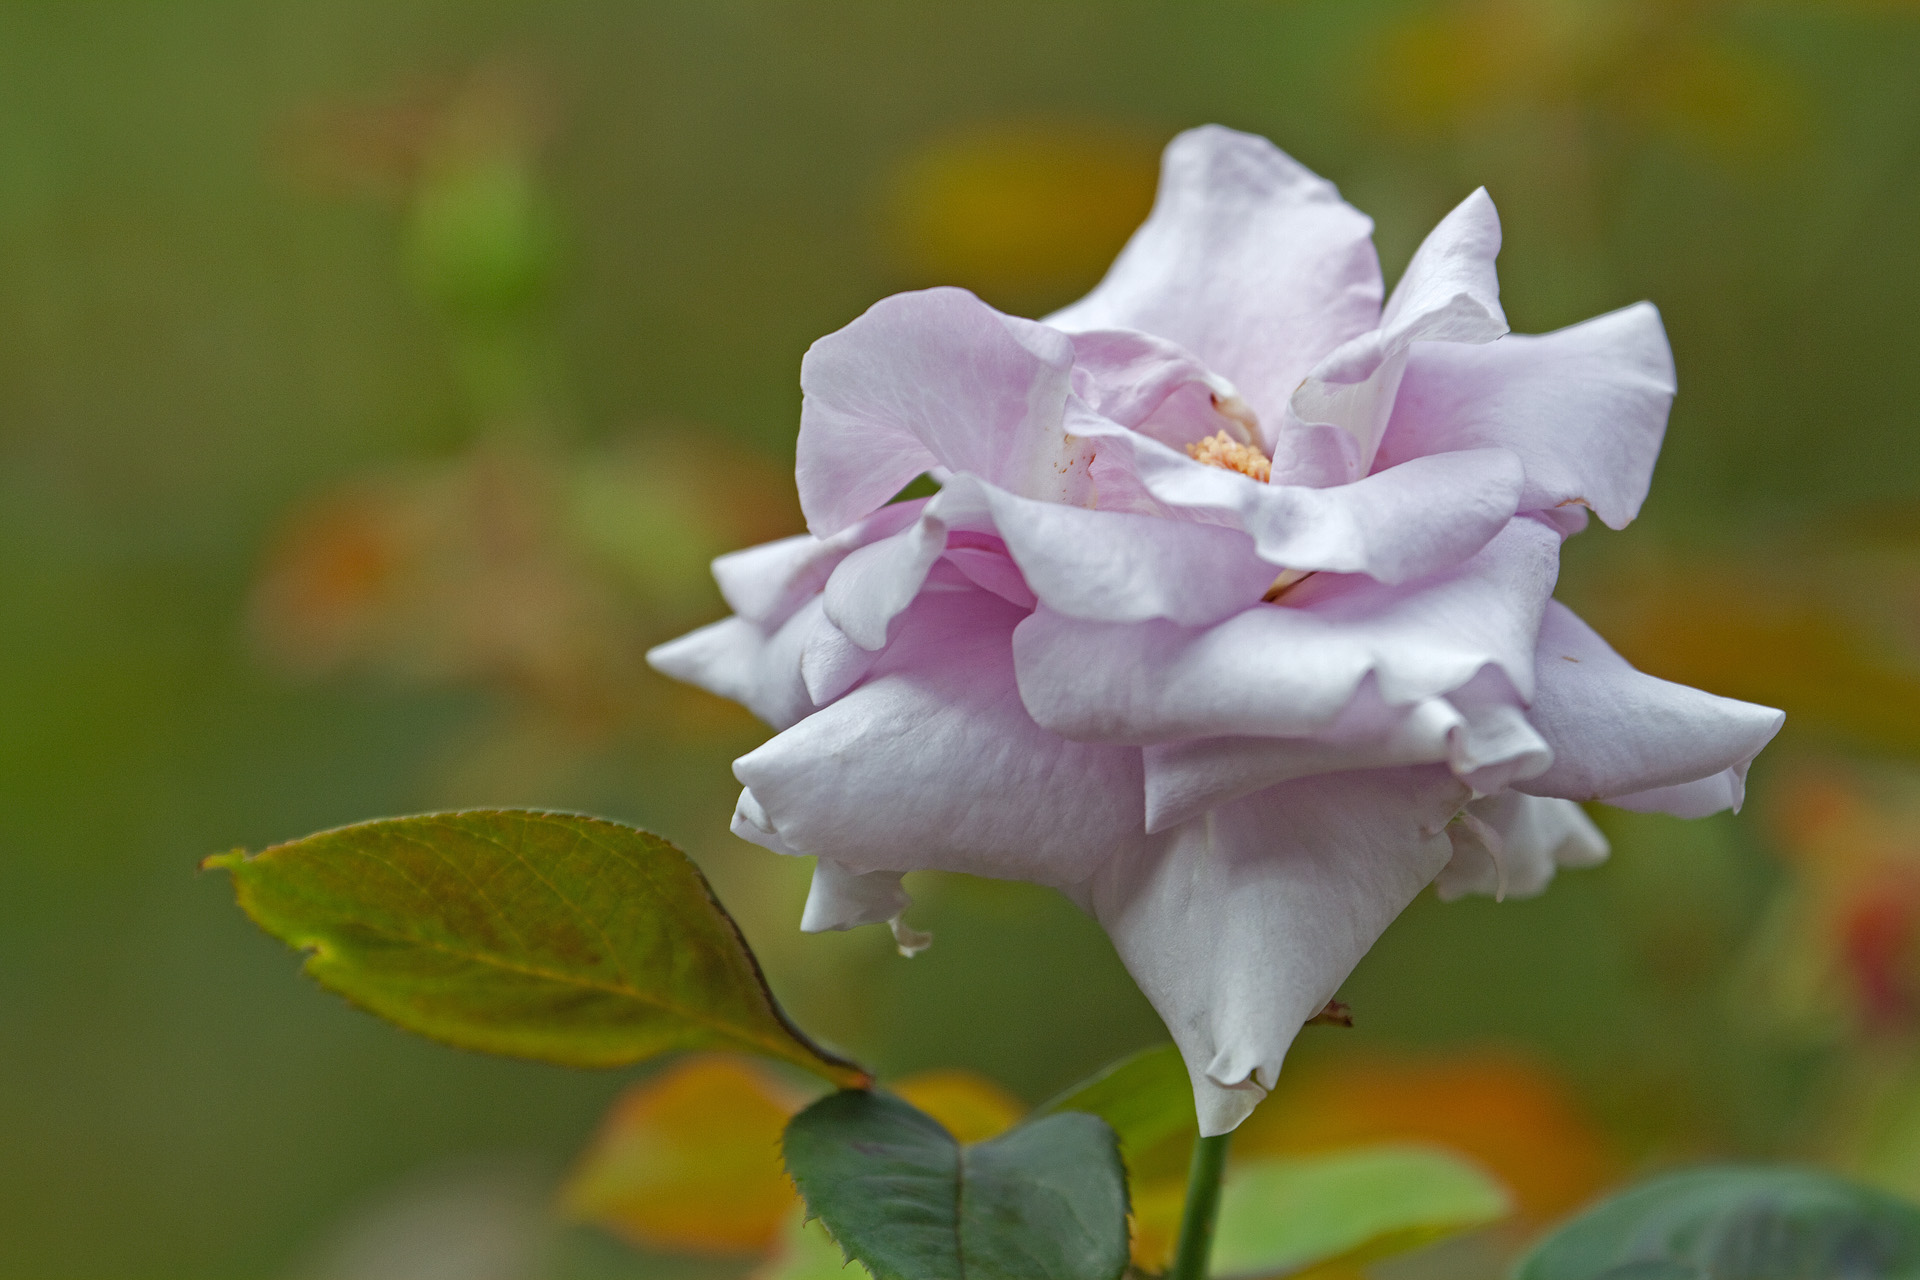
x: 805, y: 1251
x: 972, y: 1107
x: 1510, y: 1116
x: 689, y: 1160
x: 1018, y: 212
x: 1157, y: 1205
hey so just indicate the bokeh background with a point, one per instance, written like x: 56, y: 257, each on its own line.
x: 376, y: 380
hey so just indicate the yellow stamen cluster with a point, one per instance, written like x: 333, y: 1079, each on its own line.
x: 1222, y: 450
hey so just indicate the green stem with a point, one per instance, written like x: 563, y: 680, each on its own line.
x: 1203, y: 1207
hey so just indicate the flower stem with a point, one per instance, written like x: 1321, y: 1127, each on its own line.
x: 1203, y: 1207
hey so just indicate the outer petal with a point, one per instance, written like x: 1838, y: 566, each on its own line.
x: 1241, y: 925
x: 1448, y: 294
x: 842, y: 898
x: 737, y: 659
x: 765, y: 584
x: 1110, y: 565
x: 1485, y: 741
x: 933, y: 762
x: 1289, y: 670
x: 1620, y: 735
x: 1584, y: 408
x: 1509, y: 846
x: 923, y: 380
x: 1248, y: 260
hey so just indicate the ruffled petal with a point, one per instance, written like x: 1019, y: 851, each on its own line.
x: 1450, y: 293
x: 1249, y: 260
x: 765, y: 584
x: 1584, y: 408
x: 1631, y: 739
x: 925, y: 380
x: 740, y: 660
x: 1485, y: 741
x: 842, y: 898
x: 1110, y: 565
x: 1395, y: 525
x: 1289, y: 670
x: 1509, y: 846
x: 1241, y: 925
x: 932, y: 761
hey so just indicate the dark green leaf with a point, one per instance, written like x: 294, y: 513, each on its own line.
x: 1733, y: 1223
x: 1146, y: 1098
x: 540, y: 935
x: 1283, y: 1213
x: 1047, y: 1201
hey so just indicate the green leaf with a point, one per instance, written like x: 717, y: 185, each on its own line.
x: 1146, y: 1098
x: 1284, y: 1213
x: 540, y: 935
x: 1736, y: 1223
x: 1046, y: 1201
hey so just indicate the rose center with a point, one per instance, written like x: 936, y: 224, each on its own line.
x: 1223, y: 451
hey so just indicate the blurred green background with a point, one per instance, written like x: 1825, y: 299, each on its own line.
x: 377, y: 379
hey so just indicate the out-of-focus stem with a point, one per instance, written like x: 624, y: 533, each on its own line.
x: 1203, y: 1208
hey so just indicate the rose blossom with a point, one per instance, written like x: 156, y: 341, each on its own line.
x: 1232, y: 616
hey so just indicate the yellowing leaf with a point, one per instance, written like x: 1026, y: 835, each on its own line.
x: 689, y: 1160
x: 539, y: 935
x: 972, y: 1107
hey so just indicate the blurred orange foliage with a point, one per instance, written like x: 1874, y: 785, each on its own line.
x: 688, y: 1160
x: 1511, y: 1116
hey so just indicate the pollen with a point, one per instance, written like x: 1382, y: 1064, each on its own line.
x: 1222, y: 450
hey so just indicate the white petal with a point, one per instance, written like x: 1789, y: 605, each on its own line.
x: 1248, y: 260
x: 1584, y: 408
x: 933, y: 762
x: 1485, y: 742
x: 739, y: 660
x: 1110, y: 565
x: 1241, y: 925
x: 1289, y: 670
x: 1513, y: 845
x: 1449, y: 294
x: 765, y: 584
x: 1396, y: 525
x: 842, y: 898
x: 923, y: 380
x: 1625, y: 737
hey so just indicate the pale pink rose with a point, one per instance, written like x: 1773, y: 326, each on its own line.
x: 1242, y: 720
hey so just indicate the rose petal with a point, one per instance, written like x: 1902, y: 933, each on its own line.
x: 1449, y: 293
x: 1289, y: 670
x: 930, y: 379
x: 1584, y: 408
x: 765, y: 584
x: 842, y: 898
x: 1395, y: 525
x: 1241, y: 925
x: 740, y: 660
x: 1628, y: 738
x: 933, y: 762
x: 1514, y: 843
x: 1249, y: 260
x: 1110, y: 565
x: 1485, y: 743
